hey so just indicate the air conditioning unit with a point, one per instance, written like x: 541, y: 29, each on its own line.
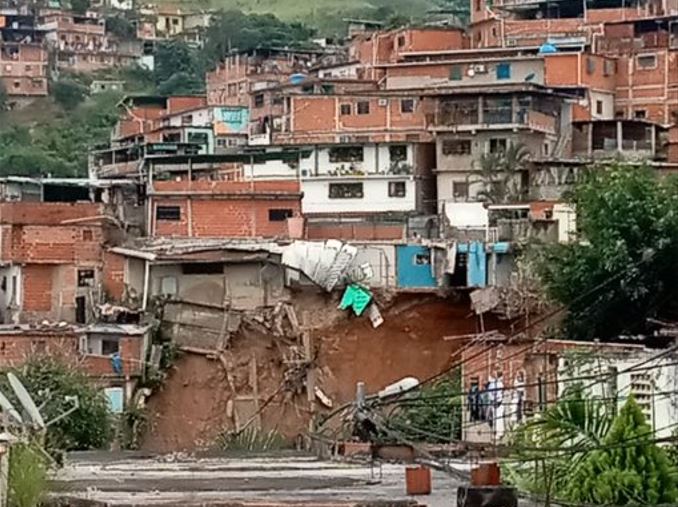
x: 480, y: 68
x: 304, y: 173
x: 383, y: 102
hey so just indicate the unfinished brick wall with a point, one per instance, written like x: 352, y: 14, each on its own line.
x: 114, y: 275
x: 25, y: 73
x: 355, y: 231
x: 319, y: 119
x: 224, y: 208
x: 41, y: 232
x: 130, y: 354
x: 37, y: 288
x: 17, y: 348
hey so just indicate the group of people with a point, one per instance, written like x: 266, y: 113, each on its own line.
x: 496, y: 404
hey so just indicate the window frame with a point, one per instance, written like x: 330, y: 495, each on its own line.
x: 169, y: 213
x: 363, y: 107
x: 410, y: 108
x: 345, y: 194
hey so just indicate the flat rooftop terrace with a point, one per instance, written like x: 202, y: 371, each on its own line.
x: 101, y: 479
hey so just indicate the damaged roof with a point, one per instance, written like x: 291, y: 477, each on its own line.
x: 159, y: 249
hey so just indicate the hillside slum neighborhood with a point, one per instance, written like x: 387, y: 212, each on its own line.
x: 277, y: 225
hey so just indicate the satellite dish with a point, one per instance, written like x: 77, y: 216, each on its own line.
x: 9, y: 408
x: 26, y: 400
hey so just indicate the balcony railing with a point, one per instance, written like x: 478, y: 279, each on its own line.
x: 535, y: 120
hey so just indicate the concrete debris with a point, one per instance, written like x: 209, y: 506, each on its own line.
x: 156, y: 356
x: 484, y: 300
x: 324, y: 263
x: 323, y: 398
x: 375, y: 315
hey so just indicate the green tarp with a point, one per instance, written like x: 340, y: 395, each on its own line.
x: 355, y: 297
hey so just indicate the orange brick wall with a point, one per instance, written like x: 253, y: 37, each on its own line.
x: 46, y: 213
x: 572, y: 69
x: 37, y: 288
x: 321, y: 115
x: 357, y: 231
x: 114, y: 275
x: 178, y: 104
x: 225, y: 208
x: 225, y: 217
x: 130, y: 353
x: 16, y: 349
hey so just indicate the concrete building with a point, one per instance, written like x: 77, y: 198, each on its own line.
x: 240, y: 74
x: 23, y: 59
x: 82, y: 44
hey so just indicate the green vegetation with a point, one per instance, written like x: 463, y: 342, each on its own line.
x: 623, y: 271
x: 431, y: 414
x: 578, y: 451
x: 251, y: 439
x: 3, y: 97
x: 500, y: 174
x: 59, y: 144
x: 68, y: 93
x: 120, y: 26
x: 50, y: 381
x: 327, y: 16
x: 27, y: 480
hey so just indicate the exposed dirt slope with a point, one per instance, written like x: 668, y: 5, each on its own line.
x: 191, y: 409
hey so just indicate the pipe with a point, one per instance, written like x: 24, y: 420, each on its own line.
x: 147, y: 281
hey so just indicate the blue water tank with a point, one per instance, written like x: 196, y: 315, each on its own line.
x: 296, y: 79
x: 548, y: 48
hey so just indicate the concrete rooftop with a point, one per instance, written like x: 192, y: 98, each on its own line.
x: 124, y: 479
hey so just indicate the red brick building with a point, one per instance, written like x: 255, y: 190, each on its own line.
x: 51, y: 256
x: 23, y: 69
x: 223, y: 208
x: 91, y: 348
x: 242, y: 73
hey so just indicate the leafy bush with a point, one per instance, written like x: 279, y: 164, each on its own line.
x: 433, y: 414
x: 27, y: 481
x: 68, y: 93
x: 120, y: 27
x: 49, y: 381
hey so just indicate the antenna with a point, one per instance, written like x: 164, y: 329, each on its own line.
x: 9, y: 408
x: 26, y: 401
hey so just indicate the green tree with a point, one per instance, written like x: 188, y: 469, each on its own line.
x: 621, y: 270
x: 500, y: 174
x: 432, y: 414
x: 80, y: 6
x: 235, y: 30
x: 4, y: 97
x: 50, y: 381
x: 68, y: 93
x: 181, y: 83
x: 579, y: 451
x: 176, y: 57
x: 628, y: 469
x: 121, y: 27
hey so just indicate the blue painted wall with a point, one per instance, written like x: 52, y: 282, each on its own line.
x: 413, y: 270
x: 476, y: 264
